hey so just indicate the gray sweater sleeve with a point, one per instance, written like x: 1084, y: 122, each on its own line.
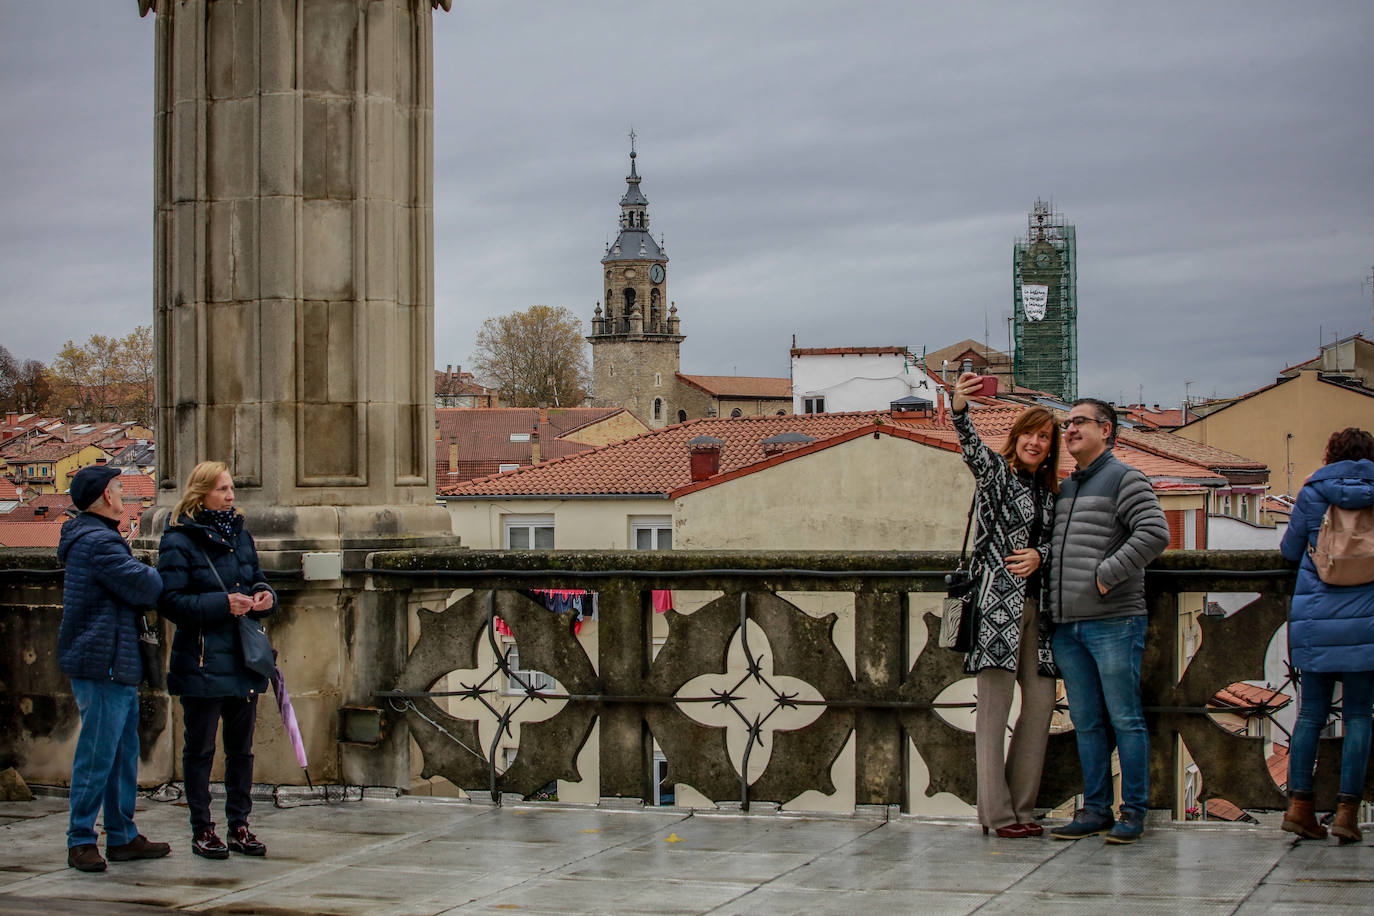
x: 1138, y: 511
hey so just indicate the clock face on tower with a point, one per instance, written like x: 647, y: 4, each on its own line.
x: 656, y: 273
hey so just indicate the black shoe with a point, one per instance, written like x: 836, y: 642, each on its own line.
x: 1086, y: 822
x: 1128, y: 829
x: 85, y: 857
x: 140, y: 847
x: 243, y: 842
x: 209, y: 846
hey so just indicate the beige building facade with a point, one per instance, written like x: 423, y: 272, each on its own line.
x: 1287, y: 424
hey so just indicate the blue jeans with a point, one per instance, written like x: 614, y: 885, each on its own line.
x: 1357, y: 699
x: 105, y: 768
x: 1100, y: 662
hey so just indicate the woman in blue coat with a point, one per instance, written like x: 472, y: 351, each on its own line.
x: 1330, y: 639
x: 207, y: 667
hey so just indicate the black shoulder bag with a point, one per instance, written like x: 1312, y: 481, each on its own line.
x: 956, y: 622
x: 258, y: 654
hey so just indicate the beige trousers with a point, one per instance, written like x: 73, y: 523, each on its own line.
x: 1009, y: 782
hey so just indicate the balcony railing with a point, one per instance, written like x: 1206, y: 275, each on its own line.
x: 877, y: 677
x: 784, y: 665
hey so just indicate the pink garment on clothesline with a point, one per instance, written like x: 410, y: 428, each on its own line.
x: 663, y: 600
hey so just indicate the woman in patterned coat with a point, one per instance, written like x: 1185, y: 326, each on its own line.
x: 1011, y: 639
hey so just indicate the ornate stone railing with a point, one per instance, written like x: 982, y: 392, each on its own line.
x: 802, y: 684
x: 886, y: 695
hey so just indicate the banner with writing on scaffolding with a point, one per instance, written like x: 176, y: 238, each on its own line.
x: 1035, y: 298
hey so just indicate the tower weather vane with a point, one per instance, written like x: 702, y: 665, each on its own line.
x: 632, y: 139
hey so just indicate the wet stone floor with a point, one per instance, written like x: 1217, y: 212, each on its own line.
x: 413, y: 856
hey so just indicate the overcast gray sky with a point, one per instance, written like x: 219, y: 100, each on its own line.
x: 851, y: 173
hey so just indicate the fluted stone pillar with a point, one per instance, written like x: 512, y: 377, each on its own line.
x: 294, y: 311
x: 294, y: 258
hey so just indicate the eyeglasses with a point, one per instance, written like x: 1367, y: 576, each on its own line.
x: 1079, y: 421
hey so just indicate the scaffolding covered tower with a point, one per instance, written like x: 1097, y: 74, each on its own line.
x: 1045, y: 304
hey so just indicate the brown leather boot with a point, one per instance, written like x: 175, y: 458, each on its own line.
x: 1301, y: 819
x: 1346, y: 824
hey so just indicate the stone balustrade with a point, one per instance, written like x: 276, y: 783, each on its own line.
x: 780, y: 679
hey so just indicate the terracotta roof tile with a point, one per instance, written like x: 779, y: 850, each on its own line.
x: 740, y: 386
x: 1242, y: 694
x: 1278, y: 765
x: 657, y: 462
x: 483, y: 436
x: 1223, y: 810
x: 1170, y: 445
x: 30, y: 533
x: 138, y: 486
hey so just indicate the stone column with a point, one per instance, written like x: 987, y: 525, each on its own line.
x: 294, y: 306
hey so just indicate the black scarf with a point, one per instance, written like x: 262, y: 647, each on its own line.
x: 222, y: 520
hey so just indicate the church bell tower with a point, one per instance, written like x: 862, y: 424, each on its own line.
x: 635, y: 334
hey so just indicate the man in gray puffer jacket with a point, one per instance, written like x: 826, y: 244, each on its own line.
x: 1107, y: 526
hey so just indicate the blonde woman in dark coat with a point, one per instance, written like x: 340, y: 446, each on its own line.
x: 1015, y: 497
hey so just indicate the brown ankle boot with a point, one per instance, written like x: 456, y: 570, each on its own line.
x: 1300, y: 818
x: 1346, y: 824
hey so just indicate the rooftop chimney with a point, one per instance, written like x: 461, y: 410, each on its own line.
x: 784, y: 442
x: 705, y: 453
x: 534, y: 445
x: 453, y: 454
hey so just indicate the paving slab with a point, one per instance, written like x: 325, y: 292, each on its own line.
x: 423, y: 857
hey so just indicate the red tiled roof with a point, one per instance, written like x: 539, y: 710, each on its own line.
x: 483, y: 436
x: 848, y: 351
x: 1276, y: 506
x: 7, y: 489
x: 740, y: 386
x: 1223, y: 810
x: 657, y: 462
x: 1278, y: 765
x: 138, y: 486
x: 994, y: 418
x: 1154, y: 417
x: 29, y: 533
x: 935, y: 438
x: 1241, y: 694
x: 49, y: 451
x: 53, y: 504
x: 1172, y: 446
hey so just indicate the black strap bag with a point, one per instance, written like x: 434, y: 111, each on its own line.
x: 960, y: 604
x: 150, y: 653
x: 258, y: 654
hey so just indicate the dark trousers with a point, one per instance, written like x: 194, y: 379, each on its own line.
x: 201, y: 716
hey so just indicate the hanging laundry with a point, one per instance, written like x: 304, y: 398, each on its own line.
x: 567, y: 601
x: 663, y: 600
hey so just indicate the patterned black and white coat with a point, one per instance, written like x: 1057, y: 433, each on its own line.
x: 1006, y: 507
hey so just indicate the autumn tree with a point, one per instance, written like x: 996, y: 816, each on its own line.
x: 106, y: 378
x: 138, y: 365
x: 535, y: 357
x: 23, y: 383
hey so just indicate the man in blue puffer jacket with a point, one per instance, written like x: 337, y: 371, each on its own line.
x: 97, y: 647
x: 1330, y: 639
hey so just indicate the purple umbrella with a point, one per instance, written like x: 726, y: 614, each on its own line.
x: 288, y: 719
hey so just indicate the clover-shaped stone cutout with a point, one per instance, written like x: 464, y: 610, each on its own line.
x: 750, y: 701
